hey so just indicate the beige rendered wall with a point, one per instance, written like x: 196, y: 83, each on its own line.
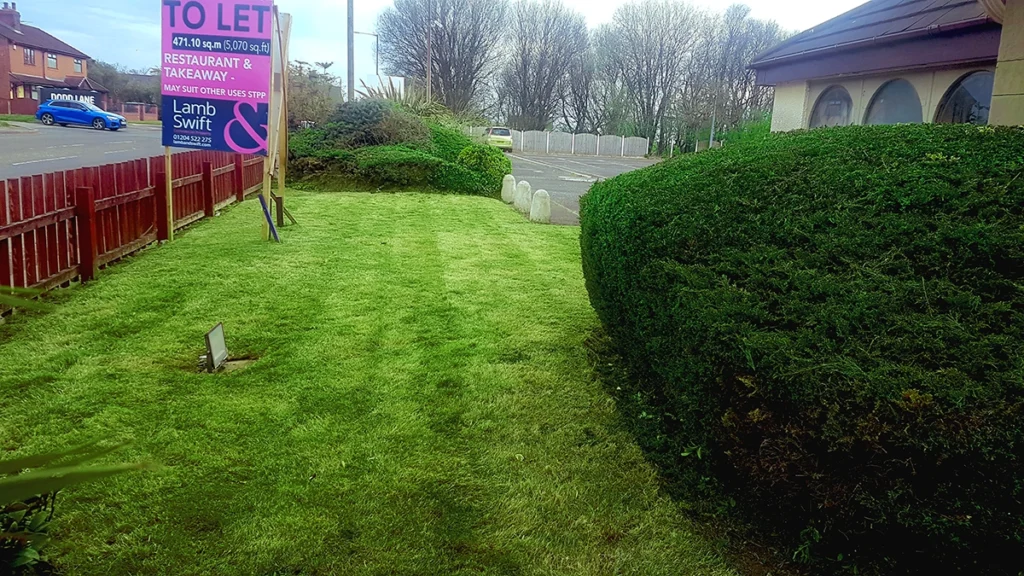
x: 1008, y: 96
x: 931, y: 86
x: 790, y: 107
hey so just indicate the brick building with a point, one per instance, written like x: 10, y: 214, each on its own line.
x: 37, y: 66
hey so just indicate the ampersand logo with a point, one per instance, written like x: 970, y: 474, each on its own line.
x: 244, y: 133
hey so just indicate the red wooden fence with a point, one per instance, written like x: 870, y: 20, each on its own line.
x: 60, y: 226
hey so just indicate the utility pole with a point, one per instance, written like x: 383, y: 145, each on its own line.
x: 430, y: 56
x: 714, y: 118
x: 351, y: 52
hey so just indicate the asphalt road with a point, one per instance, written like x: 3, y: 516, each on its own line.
x: 50, y: 149
x: 567, y: 178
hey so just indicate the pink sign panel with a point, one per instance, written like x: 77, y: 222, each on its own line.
x: 215, y: 78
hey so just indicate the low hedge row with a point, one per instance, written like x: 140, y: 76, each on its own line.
x: 831, y: 325
x: 394, y: 168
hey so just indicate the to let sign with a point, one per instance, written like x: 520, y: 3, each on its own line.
x: 216, y: 74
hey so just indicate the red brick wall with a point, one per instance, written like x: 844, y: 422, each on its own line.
x: 5, y: 68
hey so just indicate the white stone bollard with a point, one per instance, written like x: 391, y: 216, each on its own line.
x: 508, y: 189
x: 523, y: 196
x: 540, y: 209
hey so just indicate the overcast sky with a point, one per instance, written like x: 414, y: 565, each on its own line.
x: 128, y: 32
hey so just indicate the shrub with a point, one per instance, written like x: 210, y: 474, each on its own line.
x: 356, y: 121
x: 398, y: 167
x: 448, y: 141
x: 488, y: 161
x: 398, y: 127
x: 390, y: 168
x: 832, y: 321
x: 309, y: 142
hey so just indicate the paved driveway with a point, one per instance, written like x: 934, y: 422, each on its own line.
x: 567, y: 178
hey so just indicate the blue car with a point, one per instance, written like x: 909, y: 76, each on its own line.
x: 66, y: 112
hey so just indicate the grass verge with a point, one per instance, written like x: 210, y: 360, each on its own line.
x: 422, y: 403
x: 17, y: 118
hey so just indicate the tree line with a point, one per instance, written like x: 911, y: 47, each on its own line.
x: 661, y: 69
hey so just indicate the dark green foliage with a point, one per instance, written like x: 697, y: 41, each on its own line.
x: 309, y: 142
x: 448, y: 141
x: 28, y: 488
x: 831, y: 323
x: 488, y: 161
x: 357, y: 120
x: 372, y: 143
x: 394, y: 168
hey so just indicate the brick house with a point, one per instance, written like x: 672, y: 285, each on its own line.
x: 902, y: 61
x: 35, y: 64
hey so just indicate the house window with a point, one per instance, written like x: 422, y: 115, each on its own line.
x: 21, y: 91
x: 896, y: 102
x: 51, y: 61
x: 968, y: 101
x: 834, y: 108
x: 78, y: 65
x: 35, y: 92
x: 30, y: 56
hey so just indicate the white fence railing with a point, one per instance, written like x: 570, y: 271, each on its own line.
x: 538, y: 142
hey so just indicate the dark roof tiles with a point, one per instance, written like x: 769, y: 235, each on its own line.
x: 876, y: 20
x: 35, y: 38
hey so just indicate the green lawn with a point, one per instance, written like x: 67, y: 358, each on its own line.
x: 17, y: 117
x: 422, y: 403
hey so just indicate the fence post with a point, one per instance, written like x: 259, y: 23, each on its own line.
x: 208, y: 189
x: 623, y: 152
x: 239, y: 178
x: 598, y: 153
x: 573, y: 145
x: 85, y: 213
x: 547, y: 145
x: 162, y: 218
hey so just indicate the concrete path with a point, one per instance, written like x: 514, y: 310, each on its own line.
x: 567, y: 178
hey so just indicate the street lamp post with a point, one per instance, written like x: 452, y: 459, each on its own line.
x: 351, y: 52
x: 376, y: 50
x: 430, y: 56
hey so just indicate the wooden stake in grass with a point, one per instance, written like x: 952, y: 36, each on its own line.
x: 169, y: 175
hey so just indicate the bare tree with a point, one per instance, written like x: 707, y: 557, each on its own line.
x: 464, y: 35
x: 546, y: 37
x: 577, y: 89
x: 653, y: 40
x: 309, y: 94
x: 741, y: 40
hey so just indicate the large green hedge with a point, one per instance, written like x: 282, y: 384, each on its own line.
x: 831, y: 323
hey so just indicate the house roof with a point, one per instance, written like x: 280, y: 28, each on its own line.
x: 877, y: 21
x: 73, y: 82
x: 83, y: 83
x: 35, y: 38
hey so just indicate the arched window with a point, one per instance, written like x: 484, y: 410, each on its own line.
x: 968, y: 100
x: 896, y: 102
x: 834, y: 108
